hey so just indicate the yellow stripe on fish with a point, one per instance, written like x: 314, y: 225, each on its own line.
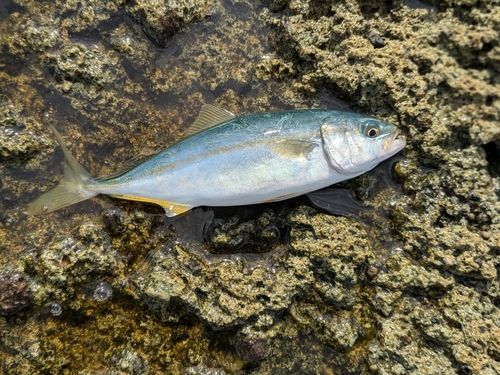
x: 224, y: 160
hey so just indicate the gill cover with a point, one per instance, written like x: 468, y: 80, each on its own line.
x: 355, y: 146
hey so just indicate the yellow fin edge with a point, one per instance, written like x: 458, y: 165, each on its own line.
x: 171, y: 208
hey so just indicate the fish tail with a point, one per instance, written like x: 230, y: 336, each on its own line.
x: 72, y: 189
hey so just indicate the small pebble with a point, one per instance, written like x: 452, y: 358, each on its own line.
x: 475, y: 345
x: 376, y: 40
x: 8, y: 221
x: 485, y: 235
x: 449, y: 260
x: 372, y: 271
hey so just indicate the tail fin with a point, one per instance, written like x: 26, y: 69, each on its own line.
x: 71, y: 190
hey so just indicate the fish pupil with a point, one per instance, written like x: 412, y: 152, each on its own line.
x: 372, y: 132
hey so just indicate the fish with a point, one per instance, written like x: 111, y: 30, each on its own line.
x: 226, y: 160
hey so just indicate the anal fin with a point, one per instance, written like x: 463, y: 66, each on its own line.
x: 171, y: 208
x: 174, y: 209
x: 282, y: 197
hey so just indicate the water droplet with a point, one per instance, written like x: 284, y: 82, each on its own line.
x: 102, y: 291
x: 55, y: 309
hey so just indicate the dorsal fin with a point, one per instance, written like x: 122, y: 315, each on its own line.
x: 209, y: 116
x: 127, y: 166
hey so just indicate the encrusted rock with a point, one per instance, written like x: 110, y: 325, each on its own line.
x: 339, y: 330
x: 17, y: 142
x: 72, y: 259
x: 15, y: 293
x: 431, y: 308
x: 326, y: 257
x: 251, y: 348
x: 161, y: 20
x: 129, y: 362
x: 80, y: 67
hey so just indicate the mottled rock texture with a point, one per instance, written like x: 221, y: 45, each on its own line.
x: 407, y: 284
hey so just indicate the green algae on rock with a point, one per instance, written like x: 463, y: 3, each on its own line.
x: 339, y: 330
x: 65, y: 264
x: 408, y: 337
x: 18, y: 141
x: 80, y: 64
x: 432, y: 307
x: 327, y: 256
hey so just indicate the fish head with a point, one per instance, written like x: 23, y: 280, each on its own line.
x: 355, y: 144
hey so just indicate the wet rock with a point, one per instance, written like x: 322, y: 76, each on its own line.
x: 337, y: 250
x: 203, y: 370
x: 133, y: 234
x: 339, y: 329
x: 161, y: 21
x: 251, y: 346
x: 17, y: 142
x: 9, y: 116
x: 401, y: 275
x: 451, y: 216
x: 224, y: 294
x: 17, y: 146
x: 460, y: 326
x: 69, y: 261
x: 399, y: 350
x: 128, y: 362
x: 39, y: 35
x: 240, y: 235
x: 273, y: 67
x: 159, y: 26
x: 332, y: 48
x: 436, y: 77
x: 83, y: 68
x: 15, y: 293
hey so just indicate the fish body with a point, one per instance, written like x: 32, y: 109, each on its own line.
x: 229, y: 161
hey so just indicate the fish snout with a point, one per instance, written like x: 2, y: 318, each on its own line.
x: 392, y: 145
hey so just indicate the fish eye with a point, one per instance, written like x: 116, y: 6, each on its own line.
x: 371, y: 129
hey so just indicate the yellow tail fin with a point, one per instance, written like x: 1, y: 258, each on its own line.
x: 71, y: 190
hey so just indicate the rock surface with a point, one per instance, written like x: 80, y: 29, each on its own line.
x: 407, y: 284
x: 14, y: 293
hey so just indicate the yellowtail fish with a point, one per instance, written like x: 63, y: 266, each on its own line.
x: 225, y: 160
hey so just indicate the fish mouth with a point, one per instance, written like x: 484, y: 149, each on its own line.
x: 393, y: 144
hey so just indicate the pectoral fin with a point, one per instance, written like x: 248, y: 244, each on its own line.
x: 293, y: 149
